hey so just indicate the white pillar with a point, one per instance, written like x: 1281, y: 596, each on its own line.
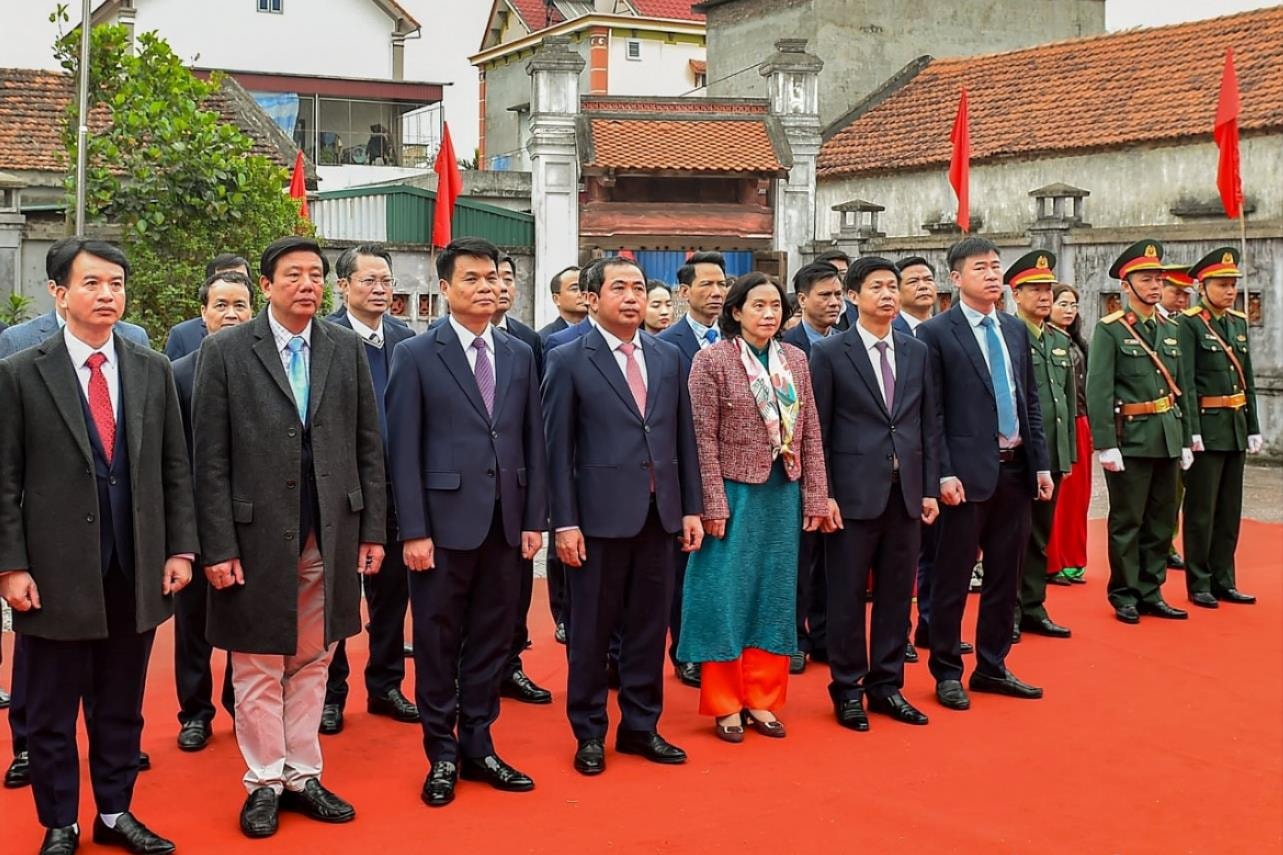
x: 793, y: 89
x: 554, y: 165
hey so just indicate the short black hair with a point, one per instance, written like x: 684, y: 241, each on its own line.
x: 737, y: 296
x: 913, y: 261
x: 63, y: 253
x: 555, y: 285
x: 833, y: 255
x: 596, y: 272
x: 284, y: 246
x: 686, y: 273
x: 652, y: 284
x: 968, y: 247
x: 472, y: 246
x: 225, y: 261
x: 804, y: 280
x: 510, y: 261
x: 346, y: 265
x: 235, y: 277
x: 865, y: 265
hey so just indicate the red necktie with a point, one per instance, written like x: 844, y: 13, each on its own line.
x: 100, y: 405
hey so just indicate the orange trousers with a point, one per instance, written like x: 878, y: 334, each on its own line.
x: 757, y: 680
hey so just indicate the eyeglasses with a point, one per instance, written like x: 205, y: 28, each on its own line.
x: 371, y: 281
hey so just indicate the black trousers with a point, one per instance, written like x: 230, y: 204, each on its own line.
x: 192, y: 673
x: 1000, y: 527
x: 521, y: 625
x: 625, y: 584
x: 106, y: 675
x: 926, y: 571
x: 18, y: 696
x: 675, y: 610
x: 812, y: 594
x: 387, y: 595
x: 463, y: 613
x: 888, y: 545
x: 556, y: 582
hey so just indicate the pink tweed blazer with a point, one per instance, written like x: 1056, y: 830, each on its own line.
x: 732, y: 438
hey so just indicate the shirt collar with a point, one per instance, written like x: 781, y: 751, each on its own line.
x: 813, y: 334
x: 613, y: 342
x: 974, y: 318
x: 700, y: 329
x: 870, y: 339
x: 362, y: 330
x: 283, y: 335
x: 467, y: 336
x: 910, y: 320
x: 502, y: 324
x: 80, y: 351
x: 59, y: 319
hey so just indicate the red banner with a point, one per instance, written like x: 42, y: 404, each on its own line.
x: 449, y: 188
x: 960, y: 163
x: 1225, y: 130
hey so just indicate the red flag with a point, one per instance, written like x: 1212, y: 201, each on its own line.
x: 298, y: 185
x: 1228, y: 179
x: 960, y: 163
x: 449, y: 188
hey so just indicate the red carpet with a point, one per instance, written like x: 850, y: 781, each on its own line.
x: 1162, y: 738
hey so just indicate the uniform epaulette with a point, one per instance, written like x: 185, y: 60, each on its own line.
x: 1193, y: 311
x: 1236, y: 313
x: 1116, y: 316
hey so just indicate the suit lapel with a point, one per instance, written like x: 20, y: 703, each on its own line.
x: 133, y: 381
x: 967, y: 338
x: 654, y: 371
x: 502, y: 371
x: 601, y: 357
x: 451, y: 353
x: 64, y: 387
x: 862, y: 361
x: 906, y: 372
x: 265, y: 350
x: 319, y: 370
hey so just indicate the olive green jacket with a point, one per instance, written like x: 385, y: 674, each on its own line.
x: 1054, y: 373
x: 1213, y: 374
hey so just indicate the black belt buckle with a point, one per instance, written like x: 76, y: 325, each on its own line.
x: 1006, y: 455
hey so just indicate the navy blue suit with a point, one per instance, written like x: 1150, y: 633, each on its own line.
x: 557, y: 325
x: 472, y: 482
x: 566, y: 335
x: 604, y: 457
x: 995, y: 517
x: 850, y: 314
x: 185, y: 337
x: 899, y: 324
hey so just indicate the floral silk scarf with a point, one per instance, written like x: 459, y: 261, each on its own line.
x: 775, y: 395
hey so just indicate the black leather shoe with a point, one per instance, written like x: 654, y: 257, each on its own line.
x: 797, y: 663
x: 19, y: 772
x: 144, y: 761
x: 1175, y: 562
x: 951, y: 694
x: 1127, y: 614
x: 898, y: 708
x: 1007, y: 684
x: 1015, y: 634
x: 688, y: 673
x: 850, y: 714
x: 520, y: 687
x: 650, y: 745
x: 194, y: 735
x: 394, y: 705
x: 1163, y: 610
x: 131, y: 834
x: 910, y: 652
x: 259, y: 815
x: 407, y: 651
x: 590, y: 757
x: 318, y: 803
x: 60, y: 841
x: 1234, y: 595
x: 331, y: 719
x: 1044, y: 626
x: 1204, y: 599
x: 498, y: 774
x: 966, y: 648
x: 438, y: 788
x: 4, y: 700
x: 559, y: 634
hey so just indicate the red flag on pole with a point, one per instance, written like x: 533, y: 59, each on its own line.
x: 298, y: 185
x: 449, y: 188
x: 1225, y: 130
x: 960, y: 163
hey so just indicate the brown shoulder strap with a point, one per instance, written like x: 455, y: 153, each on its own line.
x: 1149, y: 351
x: 1229, y: 351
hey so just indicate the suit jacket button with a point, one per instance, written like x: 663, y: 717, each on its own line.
x: 646, y: 428
x: 893, y: 428
x: 112, y: 480
x: 291, y: 432
x: 289, y: 535
x: 291, y: 483
x: 89, y: 518
x: 88, y: 471
x: 494, y: 434
x: 489, y: 473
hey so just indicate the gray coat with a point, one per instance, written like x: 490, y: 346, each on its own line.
x: 248, y: 452
x: 49, y: 494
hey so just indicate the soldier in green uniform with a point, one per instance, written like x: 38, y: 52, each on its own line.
x: 1221, y: 409
x: 1031, y: 278
x: 1135, y: 406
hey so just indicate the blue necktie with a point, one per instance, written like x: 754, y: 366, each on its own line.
x: 710, y: 335
x: 298, y: 376
x: 1001, y: 384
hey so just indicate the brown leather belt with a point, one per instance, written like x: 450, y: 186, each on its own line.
x: 1224, y: 402
x: 1149, y: 408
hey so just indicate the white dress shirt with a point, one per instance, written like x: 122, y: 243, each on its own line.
x: 283, y: 337
x: 620, y: 359
x: 701, y: 331
x: 913, y: 322
x: 366, y: 332
x: 973, y: 319
x: 80, y: 353
x: 467, y: 337
x: 870, y: 346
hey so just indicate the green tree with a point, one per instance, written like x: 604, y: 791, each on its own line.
x: 182, y: 183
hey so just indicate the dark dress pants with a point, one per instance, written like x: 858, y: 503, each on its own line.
x: 108, y: 675
x: 18, y: 696
x: 812, y: 594
x: 625, y: 584
x: 192, y: 673
x: 463, y: 612
x: 675, y: 611
x: 556, y: 582
x: 387, y: 595
x: 999, y: 526
x: 889, y: 545
x: 521, y: 625
x: 926, y: 570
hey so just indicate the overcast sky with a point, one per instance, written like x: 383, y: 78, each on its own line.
x: 452, y: 30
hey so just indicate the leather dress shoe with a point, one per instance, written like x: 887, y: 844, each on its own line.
x: 1163, y: 610
x: 19, y: 772
x: 259, y: 815
x: 4, y: 700
x: 898, y: 708
x: 318, y: 803
x: 966, y: 648
x: 1044, y: 626
x: 732, y: 733
x: 394, y: 705
x: 194, y: 735
x: 1175, y: 562
x: 650, y: 745
x: 688, y: 673
x: 1127, y: 614
x: 590, y: 757
x: 774, y: 729
x: 1057, y: 579
x: 559, y: 634
x: 144, y: 761
x: 1007, y: 684
x: 1234, y: 595
x: 498, y: 774
x: 60, y: 841
x: 951, y: 694
x: 850, y: 714
x: 797, y: 663
x: 407, y: 651
x: 1204, y: 599
x: 1015, y: 634
x: 331, y: 719
x: 131, y: 834
x: 520, y: 687
x: 910, y: 652
x: 438, y: 787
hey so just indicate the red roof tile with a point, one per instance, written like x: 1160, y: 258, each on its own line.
x: 677, y: 104
x: 534, y: 13
x: 683, y: 145
x: 1137, y: 86
x: 679, y: 10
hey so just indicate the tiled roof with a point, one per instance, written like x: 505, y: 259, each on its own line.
x: 683, y: 145
x: 676, y: 9
x: 1138, y: 86
x: 713, y: 106
x: 534, y: 13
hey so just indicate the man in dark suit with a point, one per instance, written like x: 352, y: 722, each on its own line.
x: 91, y: 428
x: 227, y: 299
x: 842, y: 262
x: 466, y: 435
x: 185, y: 336
x: 364, y: 279
x: 570, y: 332
x: 289, y: 467
x: 877, y: 411
x: 993, y: 463
x: 625, y: 481
x: 568, y: 297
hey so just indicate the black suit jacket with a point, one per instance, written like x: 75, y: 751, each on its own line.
x: 682, y: 336
x: 968, y: 408
x: 557, y: 325
x: 184, y: 368
x: 530, y: 337
x: 901, y: 325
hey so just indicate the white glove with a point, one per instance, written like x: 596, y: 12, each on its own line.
x: 1187, y: 459
x: 1111, y: 459
x: 1255, y: 443
x: 1197, y: 443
